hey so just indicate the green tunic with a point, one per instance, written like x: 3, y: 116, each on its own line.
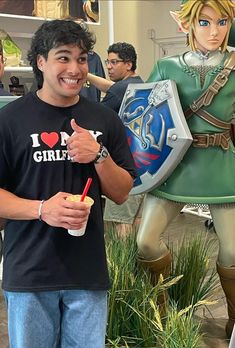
x: 205, y: 175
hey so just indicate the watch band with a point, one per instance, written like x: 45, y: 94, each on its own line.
x: 102, y: 154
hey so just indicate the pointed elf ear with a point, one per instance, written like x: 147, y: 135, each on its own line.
x: 183, y: 26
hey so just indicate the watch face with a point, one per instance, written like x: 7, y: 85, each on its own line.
x: 104, y: 153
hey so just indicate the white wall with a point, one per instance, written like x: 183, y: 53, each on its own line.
x: 132, y: 21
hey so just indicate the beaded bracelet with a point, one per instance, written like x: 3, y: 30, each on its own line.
x: 40, y: 210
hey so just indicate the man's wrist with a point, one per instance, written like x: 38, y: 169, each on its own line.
x: 101, y: 155
x: 40, y: 210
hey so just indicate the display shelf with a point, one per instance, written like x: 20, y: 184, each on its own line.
x: 18, y: 69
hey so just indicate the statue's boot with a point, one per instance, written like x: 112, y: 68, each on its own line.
x: 227, y: 280
x: 157, y: 267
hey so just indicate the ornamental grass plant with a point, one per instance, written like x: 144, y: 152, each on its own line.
x: 134, y: 318
x: 199, y: 282
x: 129, y: 297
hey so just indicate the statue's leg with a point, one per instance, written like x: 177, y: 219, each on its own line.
x: 153, y: 252
x: 156, y: 216
x: 223, y: 219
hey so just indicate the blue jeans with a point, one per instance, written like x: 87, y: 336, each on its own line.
x: 53, y: 319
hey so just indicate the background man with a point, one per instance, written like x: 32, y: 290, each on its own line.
x: 121, y: 66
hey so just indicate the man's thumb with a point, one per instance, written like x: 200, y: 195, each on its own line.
x: 75, y: 126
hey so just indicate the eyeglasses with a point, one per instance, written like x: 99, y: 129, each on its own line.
x: 113, y: 61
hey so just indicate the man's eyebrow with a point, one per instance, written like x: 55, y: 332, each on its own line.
x: 62, y: 51
x: 68, y: 51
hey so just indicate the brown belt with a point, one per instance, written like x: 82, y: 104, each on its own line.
x: 216, y: 139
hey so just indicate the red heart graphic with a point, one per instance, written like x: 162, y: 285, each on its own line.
x: 50, y: 139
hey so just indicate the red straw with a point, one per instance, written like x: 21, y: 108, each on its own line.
x: 86, y: 188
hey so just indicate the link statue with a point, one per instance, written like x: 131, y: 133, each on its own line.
x: 205, y: 79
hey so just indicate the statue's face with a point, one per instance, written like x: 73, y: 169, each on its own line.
x: 210, y: 30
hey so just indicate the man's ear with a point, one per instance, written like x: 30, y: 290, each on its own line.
x: 183, y: 26
x: 40, y: 61
x: 129, y: 65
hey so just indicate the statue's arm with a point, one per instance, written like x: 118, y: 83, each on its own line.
x: 155, y: 74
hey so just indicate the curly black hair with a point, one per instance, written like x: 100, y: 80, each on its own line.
x: 125, y: 51
x: 52, y: 34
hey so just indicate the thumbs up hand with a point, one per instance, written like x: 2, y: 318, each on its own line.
x: 75, y: 127
x: 81, y: 146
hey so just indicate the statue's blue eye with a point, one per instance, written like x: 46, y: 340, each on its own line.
x: 222, y: 22
x: 203, y: 23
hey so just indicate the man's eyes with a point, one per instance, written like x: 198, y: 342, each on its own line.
x: 80, y: 60
x: 63, y: 59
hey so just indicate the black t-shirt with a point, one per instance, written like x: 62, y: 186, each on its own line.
x: 114, y: 95
x: 34, y: 164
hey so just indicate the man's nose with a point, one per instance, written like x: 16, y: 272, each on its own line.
x: 74, y: 67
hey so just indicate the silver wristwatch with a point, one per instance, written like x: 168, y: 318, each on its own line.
x: 102, y: 154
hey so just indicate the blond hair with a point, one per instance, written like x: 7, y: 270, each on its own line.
x: 190, y: 11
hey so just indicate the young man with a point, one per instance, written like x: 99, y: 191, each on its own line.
x: 51, y: 141
x: 206, y: 173
x: 121, y: 64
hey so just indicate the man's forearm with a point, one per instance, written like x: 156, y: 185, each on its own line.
x: 99, y: 82
x: 17, y: 208
x: 116, y: 182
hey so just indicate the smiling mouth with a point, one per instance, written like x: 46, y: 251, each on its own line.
x: 70, y: 82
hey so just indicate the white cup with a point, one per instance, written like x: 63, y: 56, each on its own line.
x: 78, y: 233
x: 88, y: 200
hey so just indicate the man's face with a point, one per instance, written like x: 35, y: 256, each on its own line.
x: 117, y: 68
x: 210, y: 31
x: 64, y: 73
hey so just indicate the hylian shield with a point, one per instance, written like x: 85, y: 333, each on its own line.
x: 158, y: 134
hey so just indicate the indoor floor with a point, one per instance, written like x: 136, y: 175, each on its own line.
x: 213, y: 317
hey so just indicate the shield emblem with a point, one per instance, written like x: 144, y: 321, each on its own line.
x: 157, y: 132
